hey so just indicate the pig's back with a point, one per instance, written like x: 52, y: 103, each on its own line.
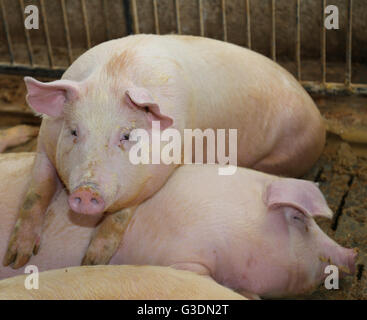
x: 213, y: 84
x: 117, y: 282
x: 214, y: 70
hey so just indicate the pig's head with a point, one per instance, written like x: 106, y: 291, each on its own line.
x: 92, y: 155
x: 296, y: 250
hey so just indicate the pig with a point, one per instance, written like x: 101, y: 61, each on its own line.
x: 251, y: 232
x: 182, y: 82
x: 117, y: 283
x: 17, y: 135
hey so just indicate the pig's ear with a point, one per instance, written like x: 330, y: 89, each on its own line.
x: 49, y: 97
x: 141, y: 98
x: 300, y: 194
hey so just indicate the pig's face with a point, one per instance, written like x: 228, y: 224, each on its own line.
x: 296, y: 250
x: 297, y: 253
x: 92, y: 156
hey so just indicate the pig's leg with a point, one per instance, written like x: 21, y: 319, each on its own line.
x: 16, y: 135
x: 25, y: 238
x: 108, y: 237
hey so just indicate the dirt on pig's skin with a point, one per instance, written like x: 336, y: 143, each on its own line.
x: 30, y: 201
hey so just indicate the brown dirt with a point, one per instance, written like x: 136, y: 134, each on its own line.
x: 342, y: 175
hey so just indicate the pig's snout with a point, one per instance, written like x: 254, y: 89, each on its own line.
x: 86, y: 200
x: 348, y: 261
x: 344, y: 259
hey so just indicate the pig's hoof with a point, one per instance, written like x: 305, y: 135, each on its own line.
x: 89, y: 259
x: 98, y: 253
x: 21, y: 246
x: 94, y: 259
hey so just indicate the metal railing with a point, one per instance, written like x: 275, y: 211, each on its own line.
x: 133, y: 26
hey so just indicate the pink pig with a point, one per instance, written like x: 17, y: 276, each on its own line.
x: 251, y: 231
x: 182, y: 81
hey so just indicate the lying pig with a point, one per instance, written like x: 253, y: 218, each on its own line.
x: 117, y: 282
x: 183, y: 82
x: 251, y: 231
x: 17, y: 135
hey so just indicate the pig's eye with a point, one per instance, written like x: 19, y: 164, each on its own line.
x: 146, y: 109
x: 74, y: 133
x: 297, y: 219
x: 125, y: 137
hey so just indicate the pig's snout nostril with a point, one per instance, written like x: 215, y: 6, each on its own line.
x: 87, y: 201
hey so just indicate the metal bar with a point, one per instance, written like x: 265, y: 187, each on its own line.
x: 201, y: 18
x: 156, y: 18
x: 26, y: 34
x: 323, y: 43
x: 47, y: 35
x: 31, y: 71
x: 85, y: 21
x: 67, y: 31
x: 128, y: 18
x: 105, y: 16
x: 178, y: 16
x: 27, y: 116
x: 298, y: 39
x: 135, y: 16
x: 7, y: 32
x: 314, y: 87
x: 248, y: 24
x: 348, y: 73
x: 273, y: 30
x: 334, y: 88
x: 224, y: 20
